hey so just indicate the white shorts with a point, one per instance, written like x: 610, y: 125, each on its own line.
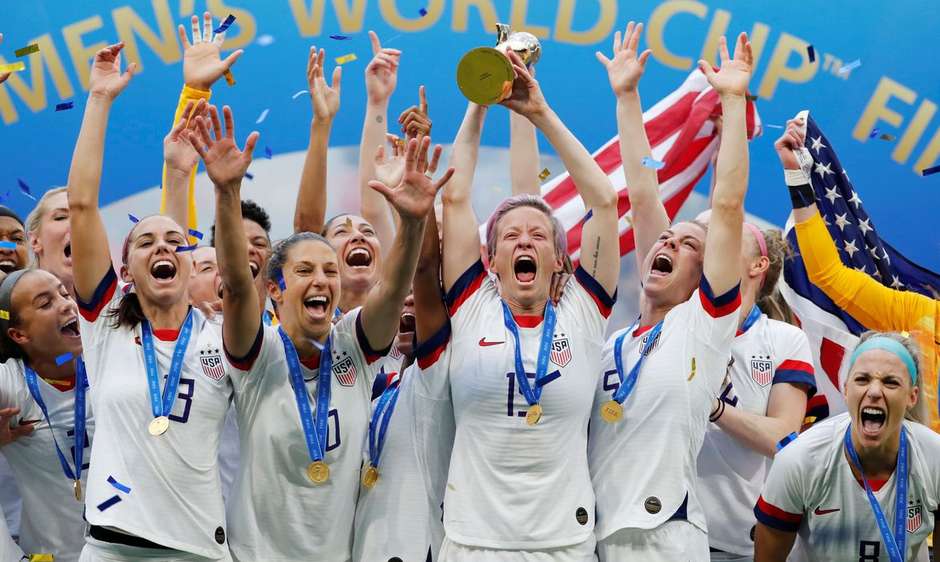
x: 722, y: 556
x: 673, y: 541
x: 455, y: 552
x: 99, y: 551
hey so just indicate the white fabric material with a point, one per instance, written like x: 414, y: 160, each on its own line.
x: 176, y: 496
x: 229, y: 453
x: 51, y: 518
x: 664, y: 419
x: 98, y: 551
x: 510, y: 485
x: 456, y: 552
x: 812, y: 473
x: 10, y: 501
x: 730, y: 474
x: 9, y: 551
x: 672, y: 541
x: 276, y: 513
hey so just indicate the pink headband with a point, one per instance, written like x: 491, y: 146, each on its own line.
x: 759, y: 236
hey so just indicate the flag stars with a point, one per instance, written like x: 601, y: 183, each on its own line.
x: 874, y: 252
x: 823, y: 170
x: 818, y: 145
x: 855, y: 199
x: 862, y: 268
x: 850, y: 248
x: 841, y: 221
x: 832, y: 194
x: 896, y: 282
x: 865, y: 226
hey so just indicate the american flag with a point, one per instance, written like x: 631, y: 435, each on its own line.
x: 831, y: 331
x: 682, y: 135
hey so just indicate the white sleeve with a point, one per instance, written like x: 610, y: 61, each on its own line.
x: 592, y: 302
x: 95, y: 315
x: 782, y: 501
x: 796, y: 360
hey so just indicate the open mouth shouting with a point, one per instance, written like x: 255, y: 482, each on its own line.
x: 163, y: 270
x: 70, y: 328
x: 872, y: 420
x: 254, y: 268
x: 525, y: 269
x: 318, y: 307
x: 7, y: 265
x: 359, y: 257
x: 662, y: 265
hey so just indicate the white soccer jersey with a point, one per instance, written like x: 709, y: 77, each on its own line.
x: 276, y: 513
x: 643, y: 467
x: 165, y: 489
x: 400, y: 517
x: 51, y: 518
x: 811, y: 490
x: 511, y: 485
x: 731, y: 475
x: 9, y: 550
x: 10, y: 501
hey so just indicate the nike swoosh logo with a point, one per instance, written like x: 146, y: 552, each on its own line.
x: 484, y: 343
x: 825, y: 511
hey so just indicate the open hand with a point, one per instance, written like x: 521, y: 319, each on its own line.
x: 10, y: 434
x: 382, y: 71
x: 414, y: 196
x: 626, y: 68
x: 526, y: 97
x: 178, y: 153
x: 225, y: 163
x: 106, y: 79
x: 325, y: 98
x: 414, y: 121
x: 202, y: 60
x: 735, y: 74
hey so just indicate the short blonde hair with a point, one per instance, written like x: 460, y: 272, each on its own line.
x: 34, y: 219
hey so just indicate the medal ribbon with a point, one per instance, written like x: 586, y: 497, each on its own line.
x: 81, y: 385
x: 381, y: 417
x: 163, y: 407
x: 895, y: 544
x: 315, y: 433
x: 752, y: 316
x: 532, y: 395
x: 627, y: 384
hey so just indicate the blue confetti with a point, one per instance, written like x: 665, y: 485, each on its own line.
x: 133, y: 219
x: 64, y: 105
x: 654, y: 164
x: 118, y: 485
x: 300, y: 93
x: 339, y: 37
x: 268, y: 152
x: 929, y: 171
x: 423, y: 12
x: 773, y: 126
x: 181, y: 249
x: 108, y: 503
x: 195, y: 233
x: 787, y: 440
x: 63, y: 359
x: 5, y: 245
x: 225, y: 24
x: 25, y: 188
x: 249, y: 175
x: 811, y: 52
x: 873, y: 133
x: 265, y: 40
x: 850, y: 67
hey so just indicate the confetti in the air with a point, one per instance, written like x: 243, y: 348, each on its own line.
x: 300, y: 93
x: 227, y: 23
x: 262, y: 117
x: 773, y: 126
x: 25, y: 188
x: 264, y: 40
x: 229, y: 77
x: 12, y: 67
x: 4, y: 314
x: 249, y: 175
x: 929, y: 171
x: 543, y: 175
x: 886, y: 136
x: 873, y: 133
x: 654, y: 164
x: 66, y: 105
x: 811, y: 52
x: 339, y: 37
x: 132, y: 218
x: 118, y: 485
x: 63, y: 359
x: 7, y: 245
x: 850, y: 66
x: 181, y: 249
x: 423, y: 12
x: 751, y: 97
x: 195, y: 233
x: 346, y: 58
x: 27, y: 50
x: 268, y: 152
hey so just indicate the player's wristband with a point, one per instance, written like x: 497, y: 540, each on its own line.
x: 719, y: 410
x: 801, y: 195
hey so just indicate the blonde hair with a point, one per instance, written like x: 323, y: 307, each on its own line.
x: 917, y: 413
x: 34, y: 220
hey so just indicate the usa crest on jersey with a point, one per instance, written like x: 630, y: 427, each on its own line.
x: 762, y: 370
x: 561, y: 351
x: 345, y: 371
x: 652, y: 347
x: 914, y: 518
x: 211, y: 361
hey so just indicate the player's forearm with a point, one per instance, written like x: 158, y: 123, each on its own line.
x: 523, y: 156
x: 463, y: 156
x: 732, y: 167
x: 176, y: 188
x: 756, y: 432
x: 430, y: 313
x: 373, y: 206
x: 232, y: 246
x: 85, y: 171
x: 310, y: 210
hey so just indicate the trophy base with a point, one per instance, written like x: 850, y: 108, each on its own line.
x: 483, y: 74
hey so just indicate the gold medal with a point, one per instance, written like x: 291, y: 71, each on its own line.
x: 612, y: 411
x: 370, y: 477
x: 318, y: 472
x: 534, y: 414
x: 77, y: 488
x: 159, y: 425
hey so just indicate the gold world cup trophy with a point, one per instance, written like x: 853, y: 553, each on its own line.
x: 485, y: 74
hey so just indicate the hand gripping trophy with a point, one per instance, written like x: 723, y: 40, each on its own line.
x: 485, y: 74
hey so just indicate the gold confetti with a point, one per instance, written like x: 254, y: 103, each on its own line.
x: 41, y: 558
x: 543, y: 175
x: 349, y: 223
x: 4, y: 315
x: 692, y: 374
x: 886, y: 136
x: 12, y: 67
x: 905, y: 334
x: 346, y: 58
x: 808, y: 420
x: 27, y: 50
x: 229, y: 77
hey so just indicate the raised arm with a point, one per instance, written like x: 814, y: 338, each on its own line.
x: 523, y: 155
x: 91, y: 257
x: 461, y: 243
x: 430, y: 313
x: 723, y: 241
x: 600, y: 245
x: 381, y: 79
x: 624, y: 72
x: 202, y: 67
x: 226, y: 166
x: 413, y: 199
x: 179, y: 159
x: 310, y: 210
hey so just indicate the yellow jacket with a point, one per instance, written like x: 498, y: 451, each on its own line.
x: 187, y: 95
x: 874, y: 305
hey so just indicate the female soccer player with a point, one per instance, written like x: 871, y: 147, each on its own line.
x: 47, y: 227
x: 40, y: 345
x: 307, y: 463
x: 662, y: 374
x: 13, y: 253
x: 522, y: 371
x: 159, y: 390
x: 863, y: 485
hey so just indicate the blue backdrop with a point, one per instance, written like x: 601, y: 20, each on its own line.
x: 894, y: 90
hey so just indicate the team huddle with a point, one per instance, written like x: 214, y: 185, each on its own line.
x: 388, y: 387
